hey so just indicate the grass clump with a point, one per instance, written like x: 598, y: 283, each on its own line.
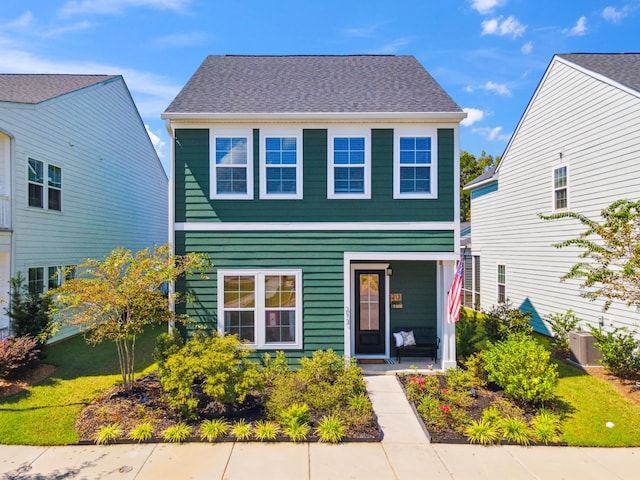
x: 483, y: 432
x: 211, y: 430
x: 266, y: 430
x: 241, y: 430
x: 108, y: 433
x: 331, y: 429
x: 177, y: 433
x: 142, y: 432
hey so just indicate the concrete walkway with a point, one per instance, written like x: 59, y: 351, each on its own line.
x: 404, y: 453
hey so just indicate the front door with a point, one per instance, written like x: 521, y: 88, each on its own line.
x: 370, y: 312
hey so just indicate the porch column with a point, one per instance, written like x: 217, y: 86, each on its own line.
x: 447, y: 331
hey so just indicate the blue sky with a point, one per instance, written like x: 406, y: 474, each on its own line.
x: 489, y: 55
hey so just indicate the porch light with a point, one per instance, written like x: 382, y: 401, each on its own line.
x: 389, y: 271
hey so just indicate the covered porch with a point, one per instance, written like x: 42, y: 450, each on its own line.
x: 385, y: 292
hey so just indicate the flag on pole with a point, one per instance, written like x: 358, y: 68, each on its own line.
x: 454, y: 298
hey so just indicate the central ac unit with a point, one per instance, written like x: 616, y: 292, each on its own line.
x: 583, y: 350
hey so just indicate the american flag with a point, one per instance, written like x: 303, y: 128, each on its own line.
x: 455, y: 294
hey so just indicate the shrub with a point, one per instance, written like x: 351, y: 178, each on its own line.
x: 521, y: 366
x: 177, y: 433
x: 17, y: 354
x: 297, y: 413
x: 620, y: 351
x: 108, y: 433
x: 241, y: 430
x: 516, y: 430
x: 211, y: 430
x: 474, y: 364
x: 167, y: 344
x: 266, y: 430
x: 562, y: 324
x: 471, y: 334
x: 331, y: 429
x: 209, y: 368
x: 323, y: 366
x: 29, y: 311
x: 482, y: 432
x: 142, y: 432
x: 503, y: 320
x: 273, y: 368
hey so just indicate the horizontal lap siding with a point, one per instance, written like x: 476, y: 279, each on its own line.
x: 320, y: 255
x: 192, y: 185
x: 595, y: 125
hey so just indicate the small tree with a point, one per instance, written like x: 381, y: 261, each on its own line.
x: 116, y: 297
x: 613, y: 248
x: 28, y: 311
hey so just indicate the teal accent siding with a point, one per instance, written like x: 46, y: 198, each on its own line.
x: 320, y: 256
x: 416, y: 281
x: 192, y: 185
x: 484, y: 190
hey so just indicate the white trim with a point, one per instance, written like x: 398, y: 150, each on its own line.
x: 281, y: 133
x: 349, y: 132
x: 387, y: 308
x: 435, y: 117
x: 416, y: 131
x: 260, y: 308
x: 312, y: 226
x: 226, y: 133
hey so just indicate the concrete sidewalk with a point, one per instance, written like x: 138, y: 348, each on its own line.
x: 404, y: 453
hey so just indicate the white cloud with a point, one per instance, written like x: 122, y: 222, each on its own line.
x: 361, y: 32
x: 473, y: 115
x: 393, y: 47
x: 490, y: 86
x: 510, y: 26
x: 579, y: 29
x: 527, y: 48
x: 485, y: 6
x: 107, y: 7
x: 23, y: 21
x: 492, y: 134
x: 158, y: 143
x: 615, y: 16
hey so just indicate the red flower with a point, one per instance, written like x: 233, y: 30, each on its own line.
x: 445, y: 391
x: 421, y: 387
x: 445, y: 409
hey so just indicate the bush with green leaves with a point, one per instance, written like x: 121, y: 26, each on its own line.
x: 167, y: 344
x: 17, y: 354
x: 562, y: 324
x: 522, y: 368
x: 620, y: 351
x: 503, y: 320
x: 29, y: 311
x: 471, y: 334
x: 209, y: 368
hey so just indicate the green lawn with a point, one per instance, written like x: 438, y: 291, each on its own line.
x: 590, y: 403
x: 45, y: 415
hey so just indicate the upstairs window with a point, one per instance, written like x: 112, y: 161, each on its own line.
x: 560, y: 188
x: 52, y: 199
x: 281, y: 166
x: 232, y: 166
x: 349, y: 167
x: 36, y: 183
x: 415, y: 169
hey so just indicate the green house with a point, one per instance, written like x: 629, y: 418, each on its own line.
x: 325, y: 190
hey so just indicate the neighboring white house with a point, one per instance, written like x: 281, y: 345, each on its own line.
x: 79, y: 176
x: 577, y: 148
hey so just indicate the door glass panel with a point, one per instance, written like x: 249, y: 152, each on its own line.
x: 369, y: 301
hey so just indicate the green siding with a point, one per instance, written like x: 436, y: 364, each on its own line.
x: 192, y: 186
x: 320, y: 255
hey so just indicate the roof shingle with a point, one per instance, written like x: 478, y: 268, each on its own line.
x: 36, y: 88
x: 623, y: 68
x: 311, y: 84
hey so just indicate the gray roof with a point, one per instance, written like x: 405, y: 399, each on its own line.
x: 36, y: 88
x: 623, y: 68
x: 483, y: 176
x: 310, y: 84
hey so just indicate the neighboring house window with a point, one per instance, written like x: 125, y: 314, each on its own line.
x: 502, y: 283
x: 36, y: 280
x: 262, y: 307
x: 36, y: 183
x: 37, y: 198
x: 349, y: 166
x: 280, y: 165
x: 476, y: 282
x: 232, y: 165
x: 415, y: 166
x: 560, y: 188
x: 471, y: 282
x: 54, y: 187
x: 55, y: 277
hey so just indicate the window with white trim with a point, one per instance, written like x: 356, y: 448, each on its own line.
x: 262, y: 307
x: 56, y: 275
x: 502, y: 283
x: 280, y: 164
x: 231, y: 165
x: 415, y: 172
x: 52, y: 199
x: 349, y: 165
x: 560, y: 188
